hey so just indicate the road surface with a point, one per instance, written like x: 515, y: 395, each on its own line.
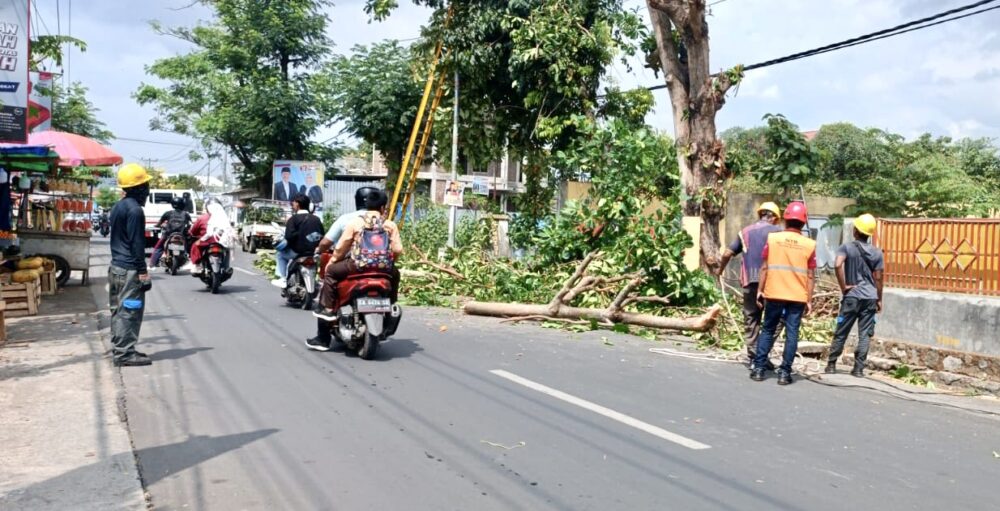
x: 467, y: 413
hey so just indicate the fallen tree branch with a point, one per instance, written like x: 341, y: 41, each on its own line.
x: 439, y: 267
x: 696, y: 324
x: 416, y: 274
x: 615, y: 308
x: 557, y: 300
x: 662, y: 300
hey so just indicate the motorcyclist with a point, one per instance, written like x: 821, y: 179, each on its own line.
x: 303, y: 232
x: 213, y: 221
x: 176, y: 220
x: 342, y: 264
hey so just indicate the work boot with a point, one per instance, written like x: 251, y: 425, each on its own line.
x: 859, y: 370
x: 831, y: 368
x: 757, y: 374
x: 134, y: 360
x: 784, y: 377
x: 318, y: 344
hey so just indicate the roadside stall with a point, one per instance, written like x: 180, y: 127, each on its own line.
x: 54, y: 203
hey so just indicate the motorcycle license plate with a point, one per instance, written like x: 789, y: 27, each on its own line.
x: 374, y: 305
x: 176, y: 248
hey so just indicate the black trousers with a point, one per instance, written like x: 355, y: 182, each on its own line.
x: 860, y: 311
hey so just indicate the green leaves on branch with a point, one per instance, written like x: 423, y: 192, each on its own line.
x: 791, y: 159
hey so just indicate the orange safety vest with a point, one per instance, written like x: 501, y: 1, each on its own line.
x: 788, y: 255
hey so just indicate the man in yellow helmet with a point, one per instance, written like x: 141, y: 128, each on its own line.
x: 751, y: 243
x: 860, y: 267
x: 128, y: 278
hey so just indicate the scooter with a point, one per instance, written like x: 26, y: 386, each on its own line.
x: 301, y: 288
x: 174, y: 253
x: 216, y: 265
x: 105, y: 227
x: 365, y: 314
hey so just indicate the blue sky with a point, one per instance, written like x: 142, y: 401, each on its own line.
x: 945, y: 80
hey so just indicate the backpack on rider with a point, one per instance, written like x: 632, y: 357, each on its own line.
x: 371, y: 248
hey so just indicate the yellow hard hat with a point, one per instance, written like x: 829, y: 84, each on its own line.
x: 865, y: 224
x: 132, y: 174
x: 770, y: 206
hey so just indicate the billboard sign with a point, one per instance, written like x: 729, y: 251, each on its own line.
x: 480, y: 186
x: 40, y: 102
x: 14, y: 71
x: 292, y: 178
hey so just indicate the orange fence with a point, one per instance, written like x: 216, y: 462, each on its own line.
x: 953, y: 255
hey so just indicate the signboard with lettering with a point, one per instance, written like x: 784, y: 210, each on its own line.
x: 14, y: 71
x: 40, y: 102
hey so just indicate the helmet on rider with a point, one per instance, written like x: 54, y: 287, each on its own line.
x: 376, y: 200
x: 796, y: 214
x: 178, y: 203
x: 362, y: 194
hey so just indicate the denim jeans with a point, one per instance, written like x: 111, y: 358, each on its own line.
x: 282, y: 258
x: 774, y: 312
x: 854, y: 310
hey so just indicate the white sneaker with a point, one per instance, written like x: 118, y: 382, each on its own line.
x: 187, y: 267
x: 280, y: 283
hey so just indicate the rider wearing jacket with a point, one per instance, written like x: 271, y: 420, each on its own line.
x: 303, y: 232
x: 176, y: 220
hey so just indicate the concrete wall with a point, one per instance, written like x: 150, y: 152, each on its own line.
x: 944, y: 320
x: 741, y: 210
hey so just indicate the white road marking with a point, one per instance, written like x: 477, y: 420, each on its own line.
x: 248, y: 272
x: 607, y: 412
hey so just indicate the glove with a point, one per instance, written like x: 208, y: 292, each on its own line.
x: 146, y: 284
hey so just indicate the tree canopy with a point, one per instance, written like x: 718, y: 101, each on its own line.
x: 72, y: 112
x: 253, y: 82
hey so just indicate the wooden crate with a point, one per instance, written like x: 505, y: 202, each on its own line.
x: 22, y: 299
x: 49, y: 286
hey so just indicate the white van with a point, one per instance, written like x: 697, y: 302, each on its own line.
x: 158, y: 203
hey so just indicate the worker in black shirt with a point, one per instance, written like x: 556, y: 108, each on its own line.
x: 303, y: 231
x: 128, y: 279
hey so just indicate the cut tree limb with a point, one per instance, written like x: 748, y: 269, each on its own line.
x: 439, y: 267
x: 695, y: 324
x: 558, y: 299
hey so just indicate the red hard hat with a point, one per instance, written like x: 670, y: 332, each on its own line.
x: 797, y: 211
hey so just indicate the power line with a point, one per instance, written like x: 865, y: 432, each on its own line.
x: 874, y: 36
x: 151, y: 142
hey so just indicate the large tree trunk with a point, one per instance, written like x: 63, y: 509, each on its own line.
x: 695, y: 97
x: 513, y: 310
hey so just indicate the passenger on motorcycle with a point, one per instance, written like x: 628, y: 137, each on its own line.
x: 303, y: 232
x: 173, y: 221
x: 344, y: 260
x: 337, y: 229
x: 213, y: 219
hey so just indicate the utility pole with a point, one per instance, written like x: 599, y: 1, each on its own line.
x: 453, y: 214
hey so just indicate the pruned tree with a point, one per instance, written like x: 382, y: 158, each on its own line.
x: 696, y: 95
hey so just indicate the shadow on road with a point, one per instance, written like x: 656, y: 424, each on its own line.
x: 176, y: 353
x: 167, y: 460
x: 397, y: 348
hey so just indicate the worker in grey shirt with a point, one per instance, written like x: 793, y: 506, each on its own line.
x: 860, y: 268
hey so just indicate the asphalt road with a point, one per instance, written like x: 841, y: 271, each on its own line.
x: 467, y: 413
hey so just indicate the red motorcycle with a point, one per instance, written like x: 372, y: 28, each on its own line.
x: 365, y: 314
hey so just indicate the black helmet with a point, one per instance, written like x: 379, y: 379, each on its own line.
x: 362, y: 194
x: 376, y: 200
x: 178, y: 202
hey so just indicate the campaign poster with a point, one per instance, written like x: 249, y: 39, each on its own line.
x: 480, y: 186
x: 292, y: 178
x: 14, y: 71
x: 40, y: 102
x: 454, y: 194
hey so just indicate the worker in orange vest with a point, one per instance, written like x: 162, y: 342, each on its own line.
x: 787, y: 279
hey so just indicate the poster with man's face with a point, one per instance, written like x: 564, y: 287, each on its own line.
x: 293, y: 178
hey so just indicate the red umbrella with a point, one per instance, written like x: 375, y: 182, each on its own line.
x: 75, y: 150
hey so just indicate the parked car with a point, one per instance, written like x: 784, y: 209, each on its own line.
x: 262, y: 224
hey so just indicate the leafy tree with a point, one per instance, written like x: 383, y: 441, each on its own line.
x: 852, y: 154
x: 72, y: 112
x: 107, y: 197
x: 184, y: 182
x: 790, y: 158
x: 375, y: 93
x: 254, y: 82
x: 746, y: 149
x: 526, y: 69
